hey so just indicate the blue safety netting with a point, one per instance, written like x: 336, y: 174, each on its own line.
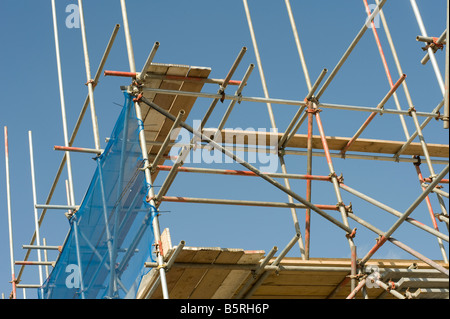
x: 111, y: 235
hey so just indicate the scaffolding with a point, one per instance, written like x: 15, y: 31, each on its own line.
x: 163, y: 95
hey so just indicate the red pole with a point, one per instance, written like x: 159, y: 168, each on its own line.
x: 427, y: 199
x: 120, y: 73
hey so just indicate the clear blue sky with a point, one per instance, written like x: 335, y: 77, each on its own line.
x: 210, y: 34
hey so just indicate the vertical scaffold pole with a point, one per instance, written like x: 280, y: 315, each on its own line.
x: 258, y: 61
x: 447, y: 63
x: 90, y: 82
x: 8, y: 200
x: 36, y: 220
x: 148, y: 179
x: 433, y: 60
x: 63, y: 105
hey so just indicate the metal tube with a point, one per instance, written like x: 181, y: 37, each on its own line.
x: 128, y: 37
x: 428, y: 39
x: 89, y: 78
x: 175, y: 254
x: 357, y: 289
x: 293, y: 212
x: 63, y: 104
x: 422, y: 142
x: 285, y: 102
x: 430, y: 50
x: 248, y: 166
x: 63, y: 207
x: 298, y: 44
x: 256, y: 272
x: 181, y: 199
x: 78, y: 149
x: 43, y: 247
x: 388, y: 289
x: 258, y: 61
x: 148, y: 63
x: 422, y: 126
x: 371, y: 116
x: 386, y: 68
x: 349, y: 50
x: 36, y: 223
x: 233, y: 102
x: 221, y: 91
x: 8, y: 201
x: 440, y: 40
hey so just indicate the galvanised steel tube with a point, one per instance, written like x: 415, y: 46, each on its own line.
x: 371, y: 116
x: 36, y: 218
x: 422, y: 126
x: 8, y: 201
x: 284, y: 102
x: 430, y: 50
x: 349, y: 50
x: 89, y: 78
x: 388, y: 289
x: 298, y: 44
x: 221, y: 91
x: 149, y: 61
x: 258, y: 61
x: 248, y: 166
x: 181, y: 199
x: 62, y: 101
x: 233, y: 102
x: 440, y: 40
x: 386, y: 68
x: 430, y: 210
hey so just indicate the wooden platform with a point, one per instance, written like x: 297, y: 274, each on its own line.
x: 335, y: 143
x: 156, y: 125
x: 220, y: 273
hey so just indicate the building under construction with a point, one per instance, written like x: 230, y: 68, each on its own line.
x: 119, y: 245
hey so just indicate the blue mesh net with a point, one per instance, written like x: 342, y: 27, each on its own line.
x: 110, y: 236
